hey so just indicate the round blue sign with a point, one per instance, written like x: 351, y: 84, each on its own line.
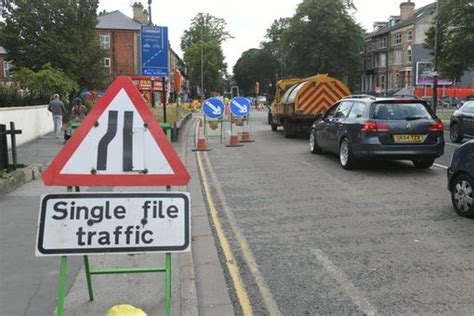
x: 213, y: 108
x: 240, y: 106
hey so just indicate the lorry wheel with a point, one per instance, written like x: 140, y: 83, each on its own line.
x: 274, y: 127
x: 288, y: 130
x: 269, y: 118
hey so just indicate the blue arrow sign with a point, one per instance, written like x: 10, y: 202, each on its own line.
x: 240, y: 106
x: 213, y: 108
x: 154, y: 50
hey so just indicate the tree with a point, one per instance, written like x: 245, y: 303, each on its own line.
x: 323, y: 38
x: 203, y: 40
x: 273, y: 43
x: 214, y: 68
x: 455, y: 38
x: 47, y: 80
x: 205, y: 27
x: 59, y: 32
x: 255, y: 65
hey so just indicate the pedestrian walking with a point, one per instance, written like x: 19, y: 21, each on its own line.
x: 57, y: 108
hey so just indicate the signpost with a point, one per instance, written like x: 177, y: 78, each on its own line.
x: 119, y: 143
x: 240, y: 106
x: 425, y: 75
x: 154, y: 50
x: 98, y: 223
x: 214, y: 109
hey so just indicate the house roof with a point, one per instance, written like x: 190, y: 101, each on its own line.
x: 116, y: 20
x: 417, y: 15
x: 2, y: 51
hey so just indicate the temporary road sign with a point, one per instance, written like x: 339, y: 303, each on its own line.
x: 154, y: 50
x: 240, y: 106
x: 92, y: 223
x: 119, y: 143
x: 213, y: 108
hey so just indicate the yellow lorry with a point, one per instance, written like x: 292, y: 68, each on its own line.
x: 298, y: 101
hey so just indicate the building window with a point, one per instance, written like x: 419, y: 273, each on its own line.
x: 6, y: 68
x: 107, y: 62
x: 397, y: 39
x: 397, y: 57
x: 410, y: 36
x: 382, y: 82
x: 382, y: 60
x: 391, y: 58
x: 104, y: 40
x: 409, y: 54
x: 384, y: 42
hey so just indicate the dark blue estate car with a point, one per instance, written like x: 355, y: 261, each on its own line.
x: 379, y: 128
x: 461, y: 180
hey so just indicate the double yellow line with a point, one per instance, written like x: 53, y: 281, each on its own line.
x: 247, y: 254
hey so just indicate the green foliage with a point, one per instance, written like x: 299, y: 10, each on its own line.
x: 59, y: 32
x: 205, y: 36
x: 273, y: 43
x: 207, y: 28
x: 214, y: 66
x: 322, y: 38
x: 255, y: 65
x: 47, y: 79
x: 455, y: 39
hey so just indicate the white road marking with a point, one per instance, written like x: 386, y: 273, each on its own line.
x: 455, y: 145
x: 355, y: 295
x: 440, y: 166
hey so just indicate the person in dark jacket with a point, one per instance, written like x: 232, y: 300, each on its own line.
x: 57, y: 108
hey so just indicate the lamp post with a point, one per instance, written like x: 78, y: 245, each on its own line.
x: 435, y: 57
x: 202, y: 57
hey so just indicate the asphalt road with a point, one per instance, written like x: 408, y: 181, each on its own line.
x: 311, y: 238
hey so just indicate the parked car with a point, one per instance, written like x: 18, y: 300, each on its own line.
x: 461, y: 180
x: 449, y: 102
x: 462, y: 122
x: 379, y: 128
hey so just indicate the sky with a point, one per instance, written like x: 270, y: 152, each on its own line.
x: 247, y: 20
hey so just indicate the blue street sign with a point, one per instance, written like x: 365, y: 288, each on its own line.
x: 154, y: 50
x: 213, y: 108
x: 240, y: 106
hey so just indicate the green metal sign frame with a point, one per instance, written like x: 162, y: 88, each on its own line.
x: 90, y: 272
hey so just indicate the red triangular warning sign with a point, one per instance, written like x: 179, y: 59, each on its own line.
x: 119, y: 143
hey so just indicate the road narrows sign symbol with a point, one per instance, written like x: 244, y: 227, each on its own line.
x: 118, y: 144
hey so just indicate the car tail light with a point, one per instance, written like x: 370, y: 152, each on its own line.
x: 436, y: 127
x: 375, y: 127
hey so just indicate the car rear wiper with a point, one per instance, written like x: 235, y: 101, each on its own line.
x: 412, y: 118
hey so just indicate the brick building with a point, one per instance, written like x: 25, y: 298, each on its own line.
x: 4, y: 66
x: 120, y: 36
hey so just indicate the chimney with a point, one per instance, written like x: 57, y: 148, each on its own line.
x: 146, y: 16
x: 138, y: 14
x: 406, y: 10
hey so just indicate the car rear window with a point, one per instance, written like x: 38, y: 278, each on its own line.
x: 400, y: 111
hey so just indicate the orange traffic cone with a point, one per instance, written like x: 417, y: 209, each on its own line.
x: 234, y: 136
x: 246, y: 133
x: 201, y: 144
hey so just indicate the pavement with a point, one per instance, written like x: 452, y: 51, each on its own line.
x: 29, y: 284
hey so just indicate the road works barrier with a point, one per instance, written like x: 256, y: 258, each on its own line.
x: 94, y: 223
x: 234, y: 136
x: 245, y: 136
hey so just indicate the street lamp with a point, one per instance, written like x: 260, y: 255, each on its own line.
x: 202, y: 57
x: 435, y: 57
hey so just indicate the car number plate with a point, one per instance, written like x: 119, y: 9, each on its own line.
x: 408, y: 138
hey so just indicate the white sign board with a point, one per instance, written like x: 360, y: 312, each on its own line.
x: 99, y: 223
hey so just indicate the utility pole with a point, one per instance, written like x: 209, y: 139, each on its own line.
x: 435, y: 57
x: 202, y: 57
x: 149, y: 12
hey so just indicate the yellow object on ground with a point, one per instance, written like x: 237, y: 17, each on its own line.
x: 125, y: 310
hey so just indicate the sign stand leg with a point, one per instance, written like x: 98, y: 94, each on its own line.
x: 88, y: 278
x: 62, y: 286
x: 168, y: 284
x: 222, y: 128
